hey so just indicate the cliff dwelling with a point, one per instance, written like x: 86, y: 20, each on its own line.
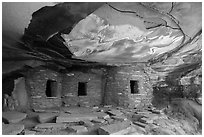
x: 106, y: 68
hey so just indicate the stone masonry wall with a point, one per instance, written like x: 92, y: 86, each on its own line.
x: 94, y: 88
x: 118, y: 90
x: 36, y: 82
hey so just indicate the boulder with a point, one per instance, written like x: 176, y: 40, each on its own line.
x: 46, y: 117
x: 13, y: 116
x: 118, y: 128
x: 12, y: 129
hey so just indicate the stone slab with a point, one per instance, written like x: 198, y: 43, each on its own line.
x: 156, y: 111
x: 76, y: 110
x: 136, y: 117
x: 152, y: 116
x: 28, y: 132
x: 13, y: 116
x: 98, y: 120
x: 79, y: 129
x: 144, y: 112
x: 146, y: 120
x: 109, y: 120
x: 115, y: 112
x: 107, y: 106
x: 140, y: 124
x: 46, y: 117
x: 12, y: 129
x: 119, y: 118
x: 88, y: 123
x: 116, y: 128
x: 63, y: 118
x: 101, y: 115
x: 51, y: 126
x: 47, y: 110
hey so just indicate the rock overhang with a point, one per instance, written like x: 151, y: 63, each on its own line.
x: 113, y: 36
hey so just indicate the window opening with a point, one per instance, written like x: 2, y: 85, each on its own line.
x: 134, y: 87
x: 82, y: 88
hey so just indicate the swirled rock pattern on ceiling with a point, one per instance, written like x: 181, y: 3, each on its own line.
x: 136, y: 32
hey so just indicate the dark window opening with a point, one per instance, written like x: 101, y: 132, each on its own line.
x: 82, y: 88
x: 51, y: 88
x: 134, y: 87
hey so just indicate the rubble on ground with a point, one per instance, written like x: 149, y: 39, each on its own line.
x: 111, y: 121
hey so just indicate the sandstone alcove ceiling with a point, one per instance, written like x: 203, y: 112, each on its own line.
x: 145, y: 57
x: 117, y: 33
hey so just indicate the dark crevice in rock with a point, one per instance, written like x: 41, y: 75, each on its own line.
x: 168, y: 54
x: 125, y: 11
x: 172, y: 7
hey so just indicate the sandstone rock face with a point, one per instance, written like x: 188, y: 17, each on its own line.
x: 13, y: 116
x: 12, y: 129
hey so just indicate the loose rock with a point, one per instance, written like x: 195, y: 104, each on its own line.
x: 119, y: 118
x: 12, y: 129
x: 13, y: 116
x: 114, y: 129
x: 139, y: 124
x: 98, y: 120
x: 115, y: 112
x: 46, y: 117
x: 28, y: 132
x: 63, y: 118
x: 101, y: 115
x: 88, y: 123
x: 50, y: 126
x: 79, y: 129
